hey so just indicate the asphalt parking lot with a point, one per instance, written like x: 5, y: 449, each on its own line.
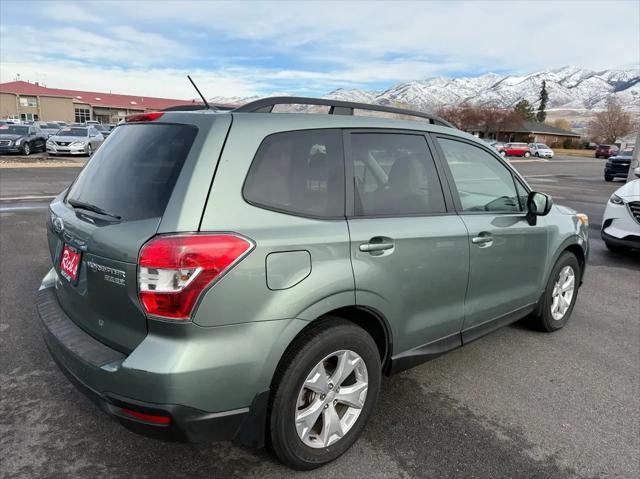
x: 515, y: 404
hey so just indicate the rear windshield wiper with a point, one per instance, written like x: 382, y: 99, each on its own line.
x: 89, y: 207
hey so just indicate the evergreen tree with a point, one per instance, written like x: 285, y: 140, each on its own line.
x: 525, y: 110
x: 544, y: 97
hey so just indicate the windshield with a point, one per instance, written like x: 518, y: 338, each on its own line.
x: 133, y: 174
x: 13, y: 130
x: 627, y: 152
x: 542, y: 146
x: 73, y: 132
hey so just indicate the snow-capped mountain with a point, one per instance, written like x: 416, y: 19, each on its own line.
x: 569, y: 88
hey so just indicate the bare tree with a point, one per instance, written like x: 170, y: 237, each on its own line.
x: 487, y: 120
x: 562, y: 123
x: 611, y: 124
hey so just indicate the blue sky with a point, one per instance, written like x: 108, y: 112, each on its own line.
x: 253, y: 48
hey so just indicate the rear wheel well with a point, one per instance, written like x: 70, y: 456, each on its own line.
x: 374, y: 324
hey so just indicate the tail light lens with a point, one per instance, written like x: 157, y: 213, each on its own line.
x: 173, y: 271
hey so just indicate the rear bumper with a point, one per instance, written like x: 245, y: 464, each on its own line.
x: 616, y: 171
x: 212, y: 382
x: 82, y: 358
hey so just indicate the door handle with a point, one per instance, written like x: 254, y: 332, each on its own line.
x: 481, y: 239
x: 369, y: 247
x: 484, y: 240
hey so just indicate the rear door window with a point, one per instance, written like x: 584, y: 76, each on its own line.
x: 299, y: 172
x: 394, y: 175
x: 133, y: 174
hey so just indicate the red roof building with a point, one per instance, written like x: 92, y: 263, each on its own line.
x: 31, y: 101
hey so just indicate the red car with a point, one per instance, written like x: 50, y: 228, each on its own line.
x: 605, y: 151
x: 516, y: 149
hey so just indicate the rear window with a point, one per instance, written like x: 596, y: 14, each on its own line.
x: 299, y: 172
x: 132, y: 175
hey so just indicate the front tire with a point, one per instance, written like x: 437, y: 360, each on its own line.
x: 503, y: 153
x: 608, y: 178
x: 560, y: 294
x: 323, y: 394
x: 527, y: 154
x: 89, y: 150
x: 26, y: 149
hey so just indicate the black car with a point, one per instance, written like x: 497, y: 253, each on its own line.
x: 618, y: 166
x: 23, y: 139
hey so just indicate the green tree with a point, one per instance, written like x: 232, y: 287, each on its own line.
x: 525, y: 110
x: 544, y: 97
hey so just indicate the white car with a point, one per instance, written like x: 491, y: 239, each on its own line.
x: 540, y: 150
x: 621, y: 221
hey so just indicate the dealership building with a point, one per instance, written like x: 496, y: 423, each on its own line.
x: 21, y: 100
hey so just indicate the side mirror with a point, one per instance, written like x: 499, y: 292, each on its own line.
x: 538, y: 204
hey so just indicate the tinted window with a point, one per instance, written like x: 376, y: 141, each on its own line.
x: 300, y: 172
x: 133, y: 174
x: 482, y: 181
x: 394, y: 175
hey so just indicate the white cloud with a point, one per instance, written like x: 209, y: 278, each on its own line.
x: 243, y: 48
x: 158, y: 82
x: 68, y: 12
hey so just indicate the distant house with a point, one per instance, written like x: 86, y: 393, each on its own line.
x: 534, y: 132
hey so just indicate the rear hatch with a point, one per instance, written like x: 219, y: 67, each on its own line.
x: 97, y: 228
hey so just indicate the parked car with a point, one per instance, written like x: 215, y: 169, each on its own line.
x: 540, y: 150
x: 264, y: 303
x: 49, y: 128
x: 515, y: 149
x: 102, y: 129
x: 74, y: 140
x: 605, y: 151
x: 618, y: 166
x: 621, y: 221
x: 60, y: 123
x: 24, y: 139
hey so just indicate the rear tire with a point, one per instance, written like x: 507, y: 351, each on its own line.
x: 503, y: 153
x: 608, y: 178
x: 557, y: 305
x: 537, y: 155
x: 302, y: 419
x: 89, y: 150
x: 527, y: 154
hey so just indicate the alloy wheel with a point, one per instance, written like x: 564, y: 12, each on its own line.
x: 563, y: 291
x: 331, y: 399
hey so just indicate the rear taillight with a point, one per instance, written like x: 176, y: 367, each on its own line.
x: 174, y: 270
x: 151, y: 116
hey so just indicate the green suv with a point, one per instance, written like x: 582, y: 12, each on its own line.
x: 251, y: 275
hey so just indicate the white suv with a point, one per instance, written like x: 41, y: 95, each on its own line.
x: 621, y: 221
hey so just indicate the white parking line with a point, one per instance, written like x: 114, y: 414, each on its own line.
x: 26, y: 198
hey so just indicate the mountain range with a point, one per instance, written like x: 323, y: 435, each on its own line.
x: 569, y: 88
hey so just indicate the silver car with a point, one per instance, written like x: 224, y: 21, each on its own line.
x: 540, y: 150
x: 49, y: 128
x: 75, y: 140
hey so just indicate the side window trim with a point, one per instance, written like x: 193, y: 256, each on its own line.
x: 350, y: 191
x: 515, y: 177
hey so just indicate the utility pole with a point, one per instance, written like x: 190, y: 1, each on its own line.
x: 635, y: 162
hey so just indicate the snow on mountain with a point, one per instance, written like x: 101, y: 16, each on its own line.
x: 569, y: 88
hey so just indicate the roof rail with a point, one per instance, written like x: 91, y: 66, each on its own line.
x: 337, y: 107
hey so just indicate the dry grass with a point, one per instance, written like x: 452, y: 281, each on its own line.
x: 572, y: 152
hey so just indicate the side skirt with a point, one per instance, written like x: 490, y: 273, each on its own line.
x: 479, y: 330
x: 432, y: 350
